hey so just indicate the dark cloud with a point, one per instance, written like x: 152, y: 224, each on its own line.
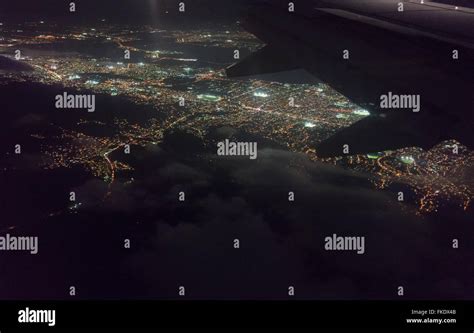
x: 282, y: 243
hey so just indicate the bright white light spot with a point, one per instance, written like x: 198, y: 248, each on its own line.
x: 260, y: 94
x: 407, y: 159
x: 361, y: 112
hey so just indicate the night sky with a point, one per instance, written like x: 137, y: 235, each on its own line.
x: 122, y: 11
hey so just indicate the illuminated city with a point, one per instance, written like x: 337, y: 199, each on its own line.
x: 192, y: 93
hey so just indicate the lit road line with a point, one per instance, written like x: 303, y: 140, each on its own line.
x: 57, y: 76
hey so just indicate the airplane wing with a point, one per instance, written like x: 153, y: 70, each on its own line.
x: 387, y: 54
